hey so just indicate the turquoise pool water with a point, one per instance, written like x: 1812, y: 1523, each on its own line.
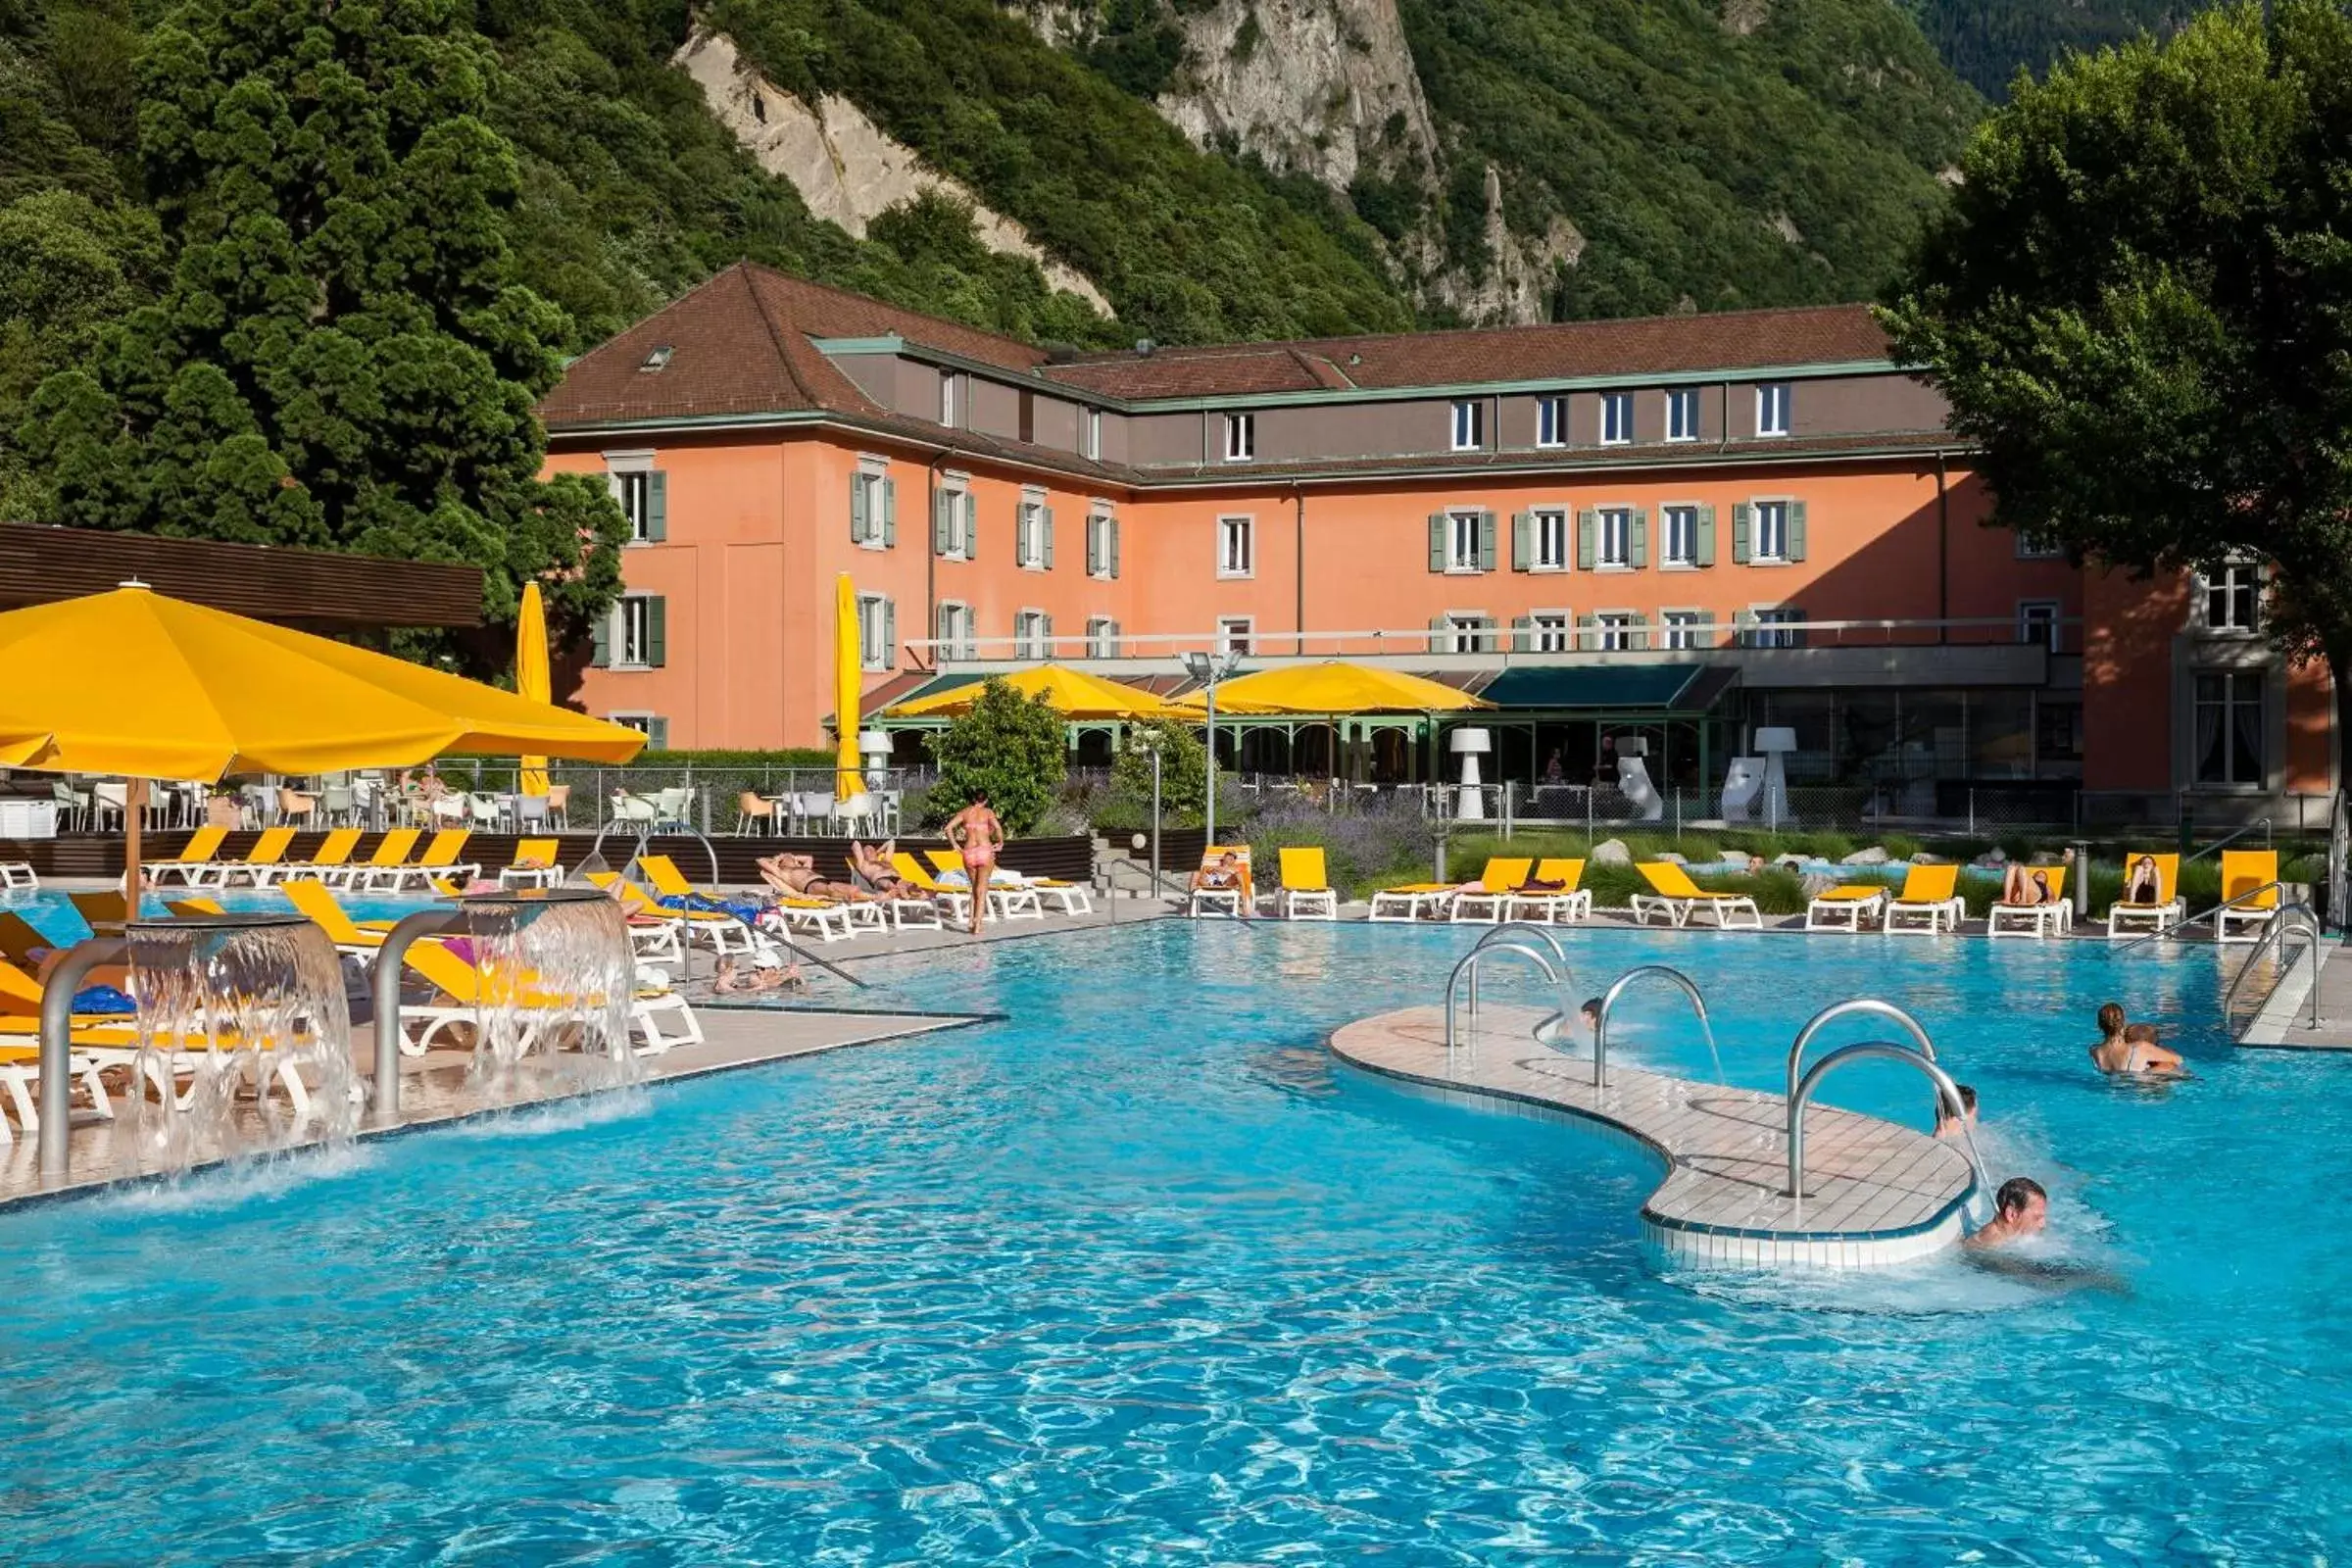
x: 1138, y: 1276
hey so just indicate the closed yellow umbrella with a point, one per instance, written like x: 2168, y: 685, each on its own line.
x: 1333, y: 687
x: 848, y: 671
x: 133, y: 685
x: 532, y: 681
x: 1071, y: 693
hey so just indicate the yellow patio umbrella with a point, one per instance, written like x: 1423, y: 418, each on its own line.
x: 1071, y: 693
x: 138, y: 686
x: 532, y: 681
x: 1332, y: 687
x: 849, y: 671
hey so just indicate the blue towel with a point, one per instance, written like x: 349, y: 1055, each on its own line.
x: 103, y: 999
x: 748, y: 912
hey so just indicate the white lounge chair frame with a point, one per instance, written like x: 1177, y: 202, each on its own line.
x: 18, y: 876
x: 2038, y: 920
x: 23, y: 1082
x: 1944, y: 915
x: 1847, y: 914
x: 1386, y: 902
x: 2152, y: 918
x: 1550, y: 908
x: 1732, y: 911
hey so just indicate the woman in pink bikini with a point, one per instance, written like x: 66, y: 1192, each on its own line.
x: 977, y: 836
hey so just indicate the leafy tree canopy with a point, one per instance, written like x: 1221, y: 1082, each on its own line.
x: 341, y: 356
x: 1183, y: 771
x: 1011, y: 749
x: 2140, y: 307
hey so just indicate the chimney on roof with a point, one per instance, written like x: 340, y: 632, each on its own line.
x: 1143, y: 347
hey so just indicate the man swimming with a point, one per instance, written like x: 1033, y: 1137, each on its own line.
x: 2021, y: 1208
x: 977, y: 834
x: 2130, y: 1048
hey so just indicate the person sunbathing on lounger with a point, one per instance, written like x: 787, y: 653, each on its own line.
x: 796, y: 876
x: 2143, y: 884
x: 2023, y: 887
x: 873, y: 867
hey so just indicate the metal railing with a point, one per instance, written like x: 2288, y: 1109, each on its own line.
x: 2260, y: 824
x: 1609, y: 999
x: 1918, y: 1052
x: 2213, y: 914
x: 2274, y: 930
x: 1469, y: 965
x: 1548, y: 1031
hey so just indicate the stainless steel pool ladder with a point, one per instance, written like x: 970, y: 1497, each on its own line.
x: 1486, y: 948
x: 1918, y: 1052
x: 2301, y: 916
x: 1609, y: 999
x: 1548, y: 1030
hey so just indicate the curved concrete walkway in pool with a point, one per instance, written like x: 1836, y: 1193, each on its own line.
x: 1877, y: 1194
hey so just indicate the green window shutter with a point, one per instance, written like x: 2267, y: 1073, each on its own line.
x: 1707, y: 536
x: 1115, y: 546
x: 600, y: 632
x: 1640, y: 531
x: 1486, y: 541
x: 1584, y: 637
x: 890, y: 511
x: 1094, y: 547
x: 1796, y: 530
x: 657, y: 734
x: 657, y: 631
x: 890, y: 634
x: 971, y: 526
x: 1048, y: 517
x: 1523, y: 634
x: 943, y: 506
x: 1045, y: 636
x: 857, y: 508
x: 941, y: 619
x: 1523, y: 543
x: 1439, y: 626
x: 1743, y: 522
x: 657, y: 506
x: 1585, y: 524
x: 1640, y: 637
x: 1436, y: 541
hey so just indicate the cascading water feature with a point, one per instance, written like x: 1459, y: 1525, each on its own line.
x: 230, y: 1002
x: 556, y: 979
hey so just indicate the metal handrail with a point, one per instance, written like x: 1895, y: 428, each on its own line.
x: 1469, y: 965
x: 2200, y: 919
x: 1600, y: 1027
x: 2227, y: 839
x: 1947, y: 1093
x: 1548, y: 1031
x: 2275, y: 930
x: 1847, y: 1010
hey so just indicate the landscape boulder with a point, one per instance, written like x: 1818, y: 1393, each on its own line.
x: 1610, y: 851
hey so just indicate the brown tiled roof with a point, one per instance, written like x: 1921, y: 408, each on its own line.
x: 741, y: 343
x: 1730, y: 340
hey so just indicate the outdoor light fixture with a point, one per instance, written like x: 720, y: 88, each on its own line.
x: 1209, y: 669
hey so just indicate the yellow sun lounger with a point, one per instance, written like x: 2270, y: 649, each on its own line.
x: 1566, y: 902
x: 266, y: 852
x: 461, y: 987
x: 955, y: 903
x: 1676, y: 898
x: 332, y: 854
x: 724, y: 933
x: 392, y: 852
x: 1071, y: 897
x: 1306, y: 892
x: 1930, y: 895
x: 1237, y: 899
x: 194, y: 855
x: 311, y: 900
x: 2244, y: 872
x: 439, y: 860
x: 2054, y: 916
x: 1846, y: 906
x: 2161, y: 913
x: 1483, y: 904
x: 536, y: 864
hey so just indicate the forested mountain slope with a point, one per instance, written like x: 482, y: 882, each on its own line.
x: 1988, y: 41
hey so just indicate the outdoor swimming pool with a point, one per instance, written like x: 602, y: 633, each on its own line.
x: 1138, y: 1276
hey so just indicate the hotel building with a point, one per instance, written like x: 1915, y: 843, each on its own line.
x: 1683, y: 529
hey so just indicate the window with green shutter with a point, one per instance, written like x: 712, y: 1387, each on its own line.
x: 1639, y: 557
x: 1586, y: 524
x: 1743, y: 524
x: 1523, y: 542
x: 1706, y: 536
x: 859, y: 506
x: 1437, y: 524
x: 657, y: 506
x: 1796, y: 530
x: 1487, y: 553
x: 890, y: 511
x: 657, y: 733
x: 657, y: 631
x: 600, y: 632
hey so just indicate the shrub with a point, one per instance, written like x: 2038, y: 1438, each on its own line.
x: 1362, y: 850
x: 1183, y: 777
x: 1010, y: 750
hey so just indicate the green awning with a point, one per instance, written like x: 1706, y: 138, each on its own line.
x: 1607, y: 686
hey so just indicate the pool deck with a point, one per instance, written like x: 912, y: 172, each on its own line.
x: 436, y: 1090
x: 1877, y: 1194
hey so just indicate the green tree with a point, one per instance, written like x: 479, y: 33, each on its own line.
x: 341, y: 356
x: 2141, y: 308
x: 1008, y: 748
x: 1183, y: 771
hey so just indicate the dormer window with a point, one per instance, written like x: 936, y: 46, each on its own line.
x: 1241, y: 437
x: 657, y: 359
x: 1469, y: 425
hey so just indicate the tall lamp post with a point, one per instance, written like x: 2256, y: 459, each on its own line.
x: 1209, y: 669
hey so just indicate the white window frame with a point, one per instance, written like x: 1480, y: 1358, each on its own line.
x: 1100, y: 519
x: 2043, y: 612
x: 2228, y: 585
x: 632, y: 631
x: 1537, y: 519
x: 1602, y: 519
x: 1551, y: 631
x: 1551, y: 420
x: 947, y: 398
x: 1614, y: 631
x: 958, y: 488
x: 1469, y: 425
x: 2031, y: 549
x: 1616, y: 419
x: 1091, y: 430
x: 1776, y: 404
x: 1681, y: 413
x: 1468, y: 631
x: 1029, y: 639
x: 1233, y: 525
x: 871, y: 475
x: 1770, y: 626
x: 1679, y: 630
x: 1668, y: 561
x: 1101, y: 637
x: 1029, y: 531
x: 1757, y: 555
x: 1241, y: 437
x: 962, y: 630
x: 873, y: 650
x: 634, y: 483
x: 1457, y: 518
x: 1237, y: 634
